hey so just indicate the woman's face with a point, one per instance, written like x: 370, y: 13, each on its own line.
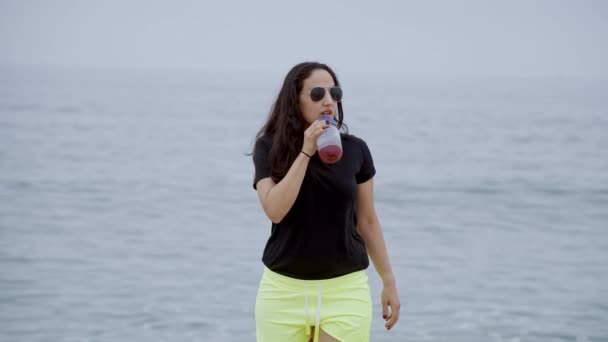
x: 311, y: 110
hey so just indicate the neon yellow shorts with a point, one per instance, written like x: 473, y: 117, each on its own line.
x: 287, y: 308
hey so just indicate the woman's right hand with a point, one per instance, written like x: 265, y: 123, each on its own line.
x: 311, y: 134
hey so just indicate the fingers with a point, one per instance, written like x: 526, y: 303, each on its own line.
x: 316, y: 128
x: 322, y: 124
x: 385, y: 311
x: 393, y: 316
x: 312, y: 133
x: 319, y: 124
x: 390, y: 306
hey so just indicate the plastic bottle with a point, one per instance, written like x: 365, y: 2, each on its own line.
x: 329, y: 144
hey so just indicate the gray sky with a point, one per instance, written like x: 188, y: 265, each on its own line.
x: 443, y: 37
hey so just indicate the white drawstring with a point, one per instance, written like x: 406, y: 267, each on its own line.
x: 317, y: 325
x: 306, y: 310
x: 318, y: 317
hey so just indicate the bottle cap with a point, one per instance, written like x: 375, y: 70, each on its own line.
x: 329, y: 119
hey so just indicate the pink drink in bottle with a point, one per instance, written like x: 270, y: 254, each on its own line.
x: 329, y: 144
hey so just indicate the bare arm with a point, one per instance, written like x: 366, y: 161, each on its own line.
x: 370, y: 230
x: 278, y: 198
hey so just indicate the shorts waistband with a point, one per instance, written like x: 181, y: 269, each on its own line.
x: 349, y: 278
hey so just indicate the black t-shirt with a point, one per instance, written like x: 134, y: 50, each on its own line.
x: 317, y: 239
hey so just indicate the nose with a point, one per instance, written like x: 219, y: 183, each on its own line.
x: 327, y: 99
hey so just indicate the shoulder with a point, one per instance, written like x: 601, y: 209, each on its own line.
x: 261, y: 149
x: 263, y: 143
x: 354, y: 141
x: 362, y: 157
x: 264, y: 140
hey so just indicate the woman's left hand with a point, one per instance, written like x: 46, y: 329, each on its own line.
x: 390, y: 299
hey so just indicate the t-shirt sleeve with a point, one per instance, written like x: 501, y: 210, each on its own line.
x: 260, y: 160
x: 367, y: 170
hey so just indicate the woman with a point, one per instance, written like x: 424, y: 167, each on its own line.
x: 324, y: 225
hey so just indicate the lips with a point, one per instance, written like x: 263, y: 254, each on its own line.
x: 329, y: 113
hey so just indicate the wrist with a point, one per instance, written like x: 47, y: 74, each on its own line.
x: 389, y: 281
x: 309, y: 155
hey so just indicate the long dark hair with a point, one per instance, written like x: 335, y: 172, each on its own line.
x: 285, y: 124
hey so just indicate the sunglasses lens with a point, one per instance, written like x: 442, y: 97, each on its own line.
x: 336, y: 93
x: 316, y: 94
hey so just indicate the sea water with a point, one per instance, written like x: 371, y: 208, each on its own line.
x: 127, y: 209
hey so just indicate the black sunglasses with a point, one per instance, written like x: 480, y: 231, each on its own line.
x: 318, y: 93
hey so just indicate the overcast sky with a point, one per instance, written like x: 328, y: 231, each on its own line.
x: 444, y: 37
